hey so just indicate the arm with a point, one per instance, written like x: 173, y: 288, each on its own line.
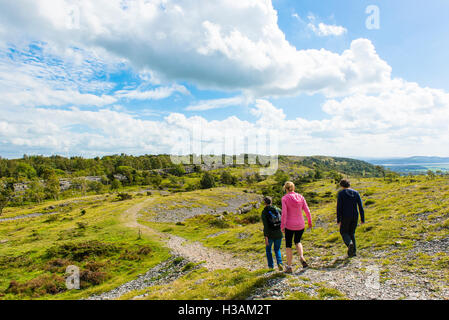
x: 307, y: 211
x: 361, y: 210
x: 265, y: 224
x: 339, y: 208
x: 284, y: 214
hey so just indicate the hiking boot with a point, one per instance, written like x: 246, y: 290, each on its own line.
x: 304, y: 263
x: 351, y: 250
x: 281, y: 267
x: 288, y: 269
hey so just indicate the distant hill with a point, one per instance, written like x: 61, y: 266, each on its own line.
x: 410, y: 160
x: 347, y: 166
x: 418, y: 164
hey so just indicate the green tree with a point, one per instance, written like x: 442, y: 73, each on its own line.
x: 35, y: 192
x: 318, y: 174
x: 116, y: 184
x: 80, y: 184
x: 227, y: 178
x: 207, y: 181
x: 156, y: 180
x: 281, y: 177
x: 52, y: 188
x: 24, y: 170
x: 95, y: 186
x: 178, y: 170
x: 6, y: 193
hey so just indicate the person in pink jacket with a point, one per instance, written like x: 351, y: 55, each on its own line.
x: 292, y: 222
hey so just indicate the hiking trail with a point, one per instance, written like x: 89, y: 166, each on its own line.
x: 355, y: 278
x: 193, y: 251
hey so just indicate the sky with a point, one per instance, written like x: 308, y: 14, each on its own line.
x: 361, y: 79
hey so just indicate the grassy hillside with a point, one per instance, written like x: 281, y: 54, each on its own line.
x: 405, y: 237
x: 88, y: 233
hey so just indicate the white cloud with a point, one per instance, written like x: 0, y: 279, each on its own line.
x: 232, y: 46
x: 406, y: 120
x: 325, y: 30
x: 219, y: 103
x: 154, y: 94
x: 225, y: 45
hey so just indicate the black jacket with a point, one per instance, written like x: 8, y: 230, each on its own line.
x: 267, y: 231
x: 348, y: 202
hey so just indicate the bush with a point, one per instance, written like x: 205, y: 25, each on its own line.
x: 124, y: 196
x: 40, y: 286
x: 207, y: 181
x: 80, y: 251
x: 250, y: 219
x: 81, y: 225
x: 57, y: 265
x: 219, y: 223
x: 88, y: 277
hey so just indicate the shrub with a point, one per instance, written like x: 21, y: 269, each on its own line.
x: 207, y: 181
x: 81, y: 225
x: 51, y: 218
x: 82, y: 250
x: 219, y: 223
x: 57, y: 265
x: 88, y: 278
x: 249, y: 219
x: 40, y: 286
x: 124, y: 196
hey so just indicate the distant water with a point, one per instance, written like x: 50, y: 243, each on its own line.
x: 416, y: 167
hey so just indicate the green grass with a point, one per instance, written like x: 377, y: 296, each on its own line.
x: 38, y: 251
x: 201, y: 284
x: 34, y: 252
x: 393, y: 222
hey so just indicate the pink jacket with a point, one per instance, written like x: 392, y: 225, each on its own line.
x: 292, y: 206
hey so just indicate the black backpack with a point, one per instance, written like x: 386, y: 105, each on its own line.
x: 274, y: 218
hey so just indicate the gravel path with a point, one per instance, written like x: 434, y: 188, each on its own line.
x: 356, y: 278
x: 171, y: 269
x: 193, y: 251
x: 27, y: 216
x: 165, y: 272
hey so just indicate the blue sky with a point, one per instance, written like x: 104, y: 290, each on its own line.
x: 83, y: 79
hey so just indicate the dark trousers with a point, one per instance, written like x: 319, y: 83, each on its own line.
x: 347, y: 231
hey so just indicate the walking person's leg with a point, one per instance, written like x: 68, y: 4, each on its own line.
x: 277, y: 251
x: 269, y: 254
x: 299, y: 248
x: 346, y: 231
x: 353, y: 229
x: 288, y: 249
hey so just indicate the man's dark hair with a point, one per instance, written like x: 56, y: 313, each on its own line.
x: 345, y: 183
x: 267, y: 200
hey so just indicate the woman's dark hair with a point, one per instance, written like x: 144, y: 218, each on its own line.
x: 267, y: 200
x: 345, y: 183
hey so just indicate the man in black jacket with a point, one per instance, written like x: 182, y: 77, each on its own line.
x: 349, y: 204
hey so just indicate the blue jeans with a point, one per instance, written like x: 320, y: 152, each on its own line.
x: 277, y: 250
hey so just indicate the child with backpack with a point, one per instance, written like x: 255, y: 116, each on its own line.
x: 271, y: 218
